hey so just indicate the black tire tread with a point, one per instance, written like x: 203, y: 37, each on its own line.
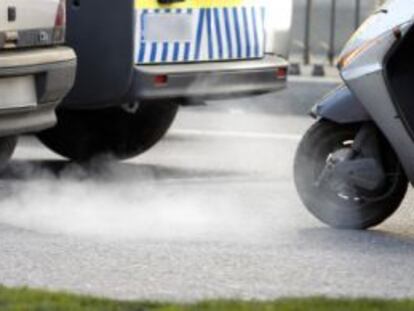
x: 333, y: 215
x: 7, y: 146
x: 82, y: 135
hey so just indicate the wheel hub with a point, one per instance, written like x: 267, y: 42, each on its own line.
x: 351, y: 176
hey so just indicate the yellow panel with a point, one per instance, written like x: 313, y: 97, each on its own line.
x: 153, y: 4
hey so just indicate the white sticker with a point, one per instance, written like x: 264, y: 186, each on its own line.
x: 168, y: 27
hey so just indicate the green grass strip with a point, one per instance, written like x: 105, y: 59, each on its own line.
x: 36, y: 300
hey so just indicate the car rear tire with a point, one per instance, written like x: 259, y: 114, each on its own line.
x: 7, y: 147
x: 360, y: 210
x: 82, y: 135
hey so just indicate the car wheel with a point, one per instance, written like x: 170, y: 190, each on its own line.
x: 7, y: 147
x: 81, y: 135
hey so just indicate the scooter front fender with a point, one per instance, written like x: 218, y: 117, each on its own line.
x: 341, y: 106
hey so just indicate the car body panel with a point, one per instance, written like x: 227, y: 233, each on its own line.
x: 108, y: 73
x: 35, y: 72
x: 39, y: 14
x: 201, y: 81
x: 49, y: 73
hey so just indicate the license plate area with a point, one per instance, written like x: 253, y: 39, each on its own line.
x: 17, y: 93
x: 200, y: 33
x: 168, y: 27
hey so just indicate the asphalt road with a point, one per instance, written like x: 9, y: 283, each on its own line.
x: 211, y: 212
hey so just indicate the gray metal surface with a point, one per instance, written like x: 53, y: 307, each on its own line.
x: 211, y: 212
x: 13, y: 60
x: 53, y: 70
x: 29, y: 15
x: 22, y: 121
x: 365, y: 77
x: 341, y: 106
x: 220, y: 79
x: 270, y: 61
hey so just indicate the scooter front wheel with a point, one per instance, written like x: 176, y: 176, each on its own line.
x: 329, y: 195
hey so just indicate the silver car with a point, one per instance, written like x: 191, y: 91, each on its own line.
x: 36, y: 71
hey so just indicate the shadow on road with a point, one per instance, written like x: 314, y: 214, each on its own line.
x: 373, y: 242
x: 104, y: 171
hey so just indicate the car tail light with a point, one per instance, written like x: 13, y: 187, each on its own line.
x: 282, y: 73
x: 60, y: 22
x: 160, y: 80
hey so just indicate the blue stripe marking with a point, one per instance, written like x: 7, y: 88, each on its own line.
x: 218, y: 29
x: 142, y: 47
x: 153, y: 56
x: 246, y: 31
x: 256, y: 35
x: 142, y: 20
x: 176, y: 48
x: 187, y: 48
x: 141, y: 55
x: 221, y: 33
x: 199, y: 34
x: 238, y: 35
x: 263, y: 13
x: 164, y: 56
x: 154, y: 46
x: 176, y: 52
x: 228, y: 32
x: 210, y: 35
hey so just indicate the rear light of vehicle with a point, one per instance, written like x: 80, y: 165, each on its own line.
x: 160, y: 80
x: 60, y: 23
x: 281, y: 73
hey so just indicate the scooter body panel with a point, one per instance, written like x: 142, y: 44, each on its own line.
x: 368, y: 96
x: 348, y: 176
x: 366, y: 78
x: 380, y: 106
x: 341, y: 106
x: 388, y: 16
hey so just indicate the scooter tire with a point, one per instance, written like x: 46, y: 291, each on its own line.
x: 322, y: 139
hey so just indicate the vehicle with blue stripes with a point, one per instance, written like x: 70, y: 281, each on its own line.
x: 139, y: 60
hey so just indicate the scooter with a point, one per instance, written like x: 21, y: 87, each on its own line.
x: 353, y: 166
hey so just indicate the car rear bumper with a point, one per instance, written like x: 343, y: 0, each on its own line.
x: 54, y: 71
x: 210, y: 80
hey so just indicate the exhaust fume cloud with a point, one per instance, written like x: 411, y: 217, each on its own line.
x: 107, y: 203
x: 195, y: 187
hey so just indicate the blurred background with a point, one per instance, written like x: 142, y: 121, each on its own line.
x: 322, y: 27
